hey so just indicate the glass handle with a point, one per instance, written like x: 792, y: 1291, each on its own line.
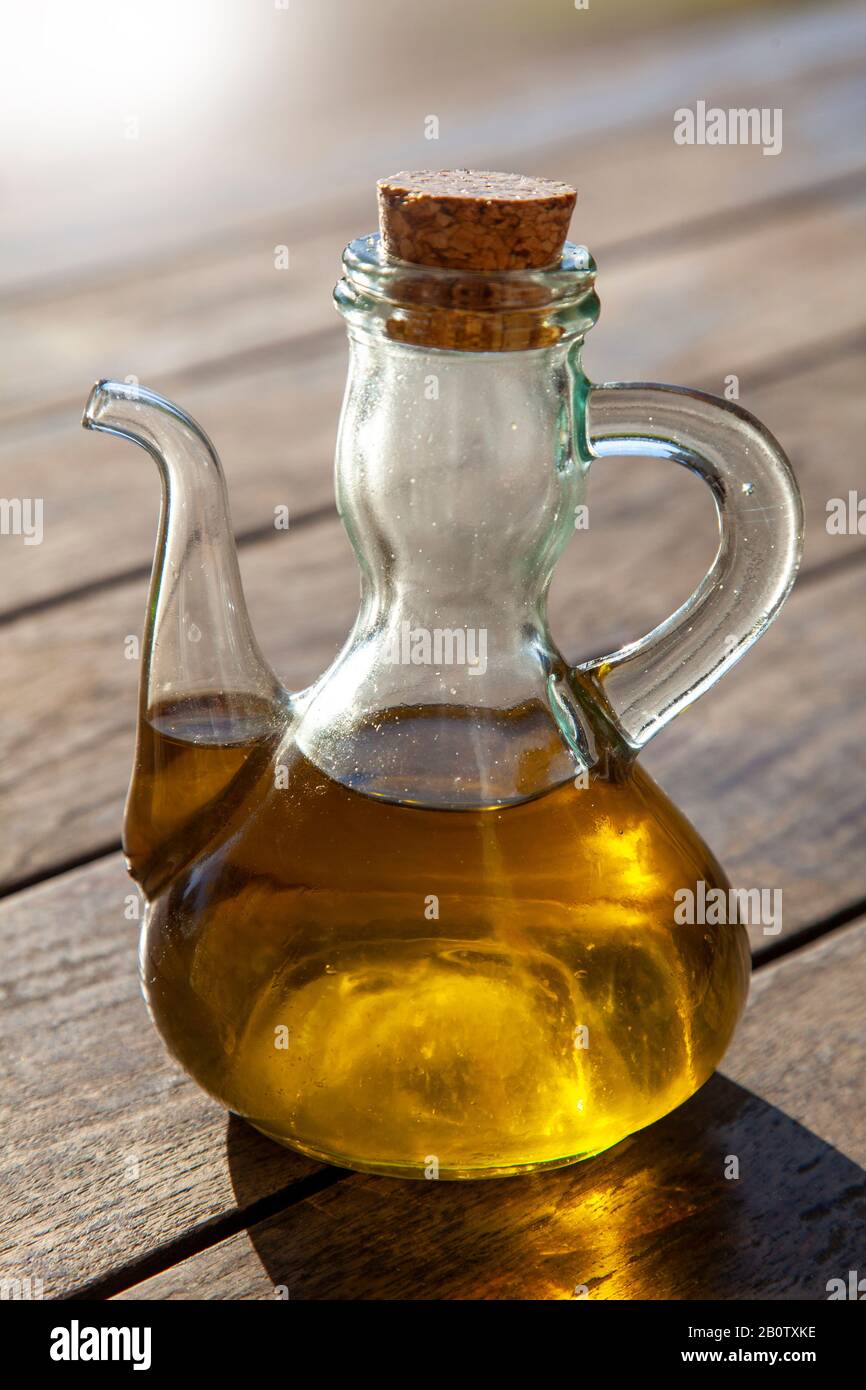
x: 760, y: 543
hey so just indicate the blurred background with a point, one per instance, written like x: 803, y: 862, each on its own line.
x: 130, y: 129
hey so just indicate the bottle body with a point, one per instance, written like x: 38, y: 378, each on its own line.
x: 456, y: 993
x: 421, y: 918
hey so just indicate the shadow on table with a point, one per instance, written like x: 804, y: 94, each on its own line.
x: 654, y: 1218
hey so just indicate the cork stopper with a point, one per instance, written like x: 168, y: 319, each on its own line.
x: 464, y: 219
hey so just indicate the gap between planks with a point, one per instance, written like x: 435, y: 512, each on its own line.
x: 205, y: 1237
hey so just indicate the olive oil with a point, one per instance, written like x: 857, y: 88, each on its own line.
x: 462, y: 993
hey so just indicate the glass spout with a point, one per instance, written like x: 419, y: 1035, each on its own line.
x: 203, y: 677
x: 198, y: 637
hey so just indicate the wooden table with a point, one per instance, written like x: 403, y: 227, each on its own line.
x: 120, y: 1178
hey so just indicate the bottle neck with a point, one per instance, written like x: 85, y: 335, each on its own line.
x: 458, y: 482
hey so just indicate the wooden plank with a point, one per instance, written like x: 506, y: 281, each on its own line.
x: 825, y: 462
x: 777, y: 815
x: 275, y: 431
x: 109, y: 1150
x: 676, y: 317
x: 697, y: 313
x: 656, y: 1218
